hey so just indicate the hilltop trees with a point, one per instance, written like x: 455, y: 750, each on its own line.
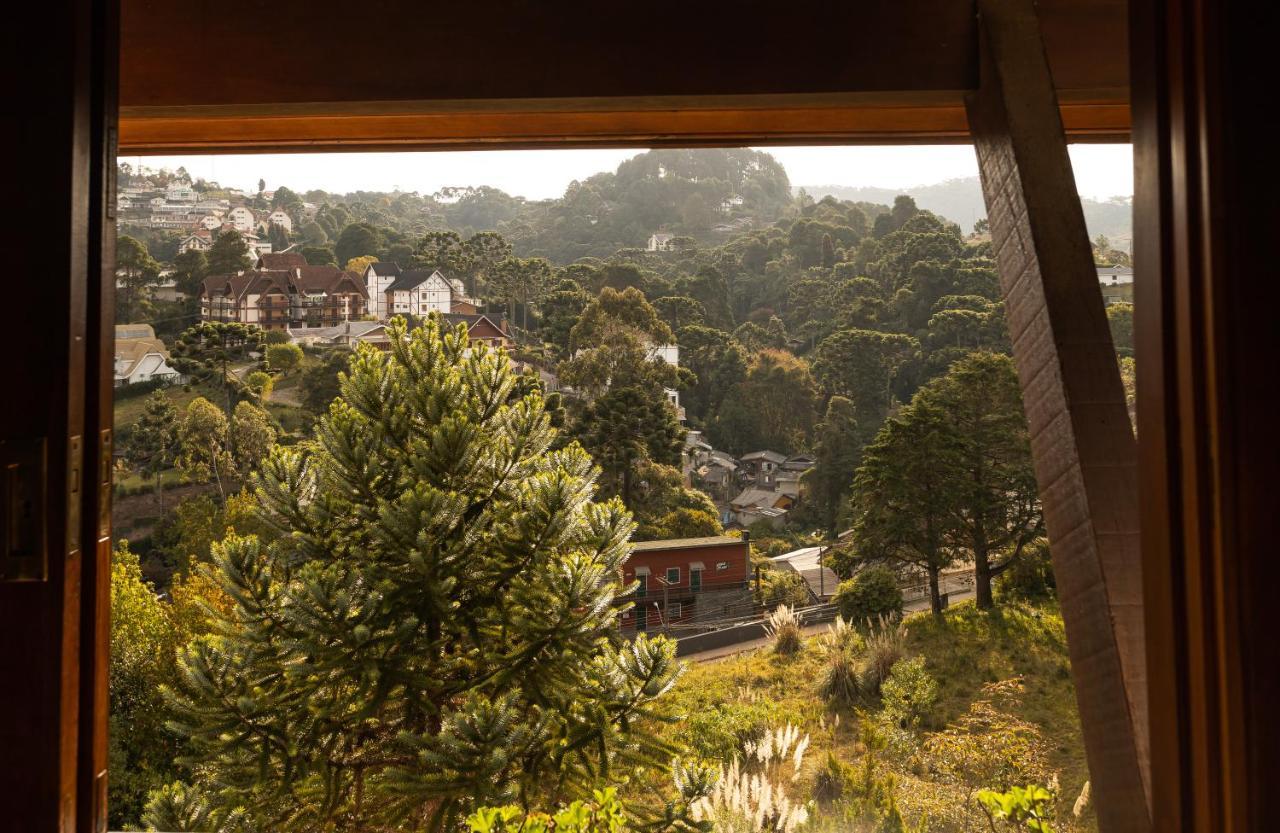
x: 437, y: 629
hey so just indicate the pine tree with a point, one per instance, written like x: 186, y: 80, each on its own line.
x: 152, y: 446
x: 436, y: 629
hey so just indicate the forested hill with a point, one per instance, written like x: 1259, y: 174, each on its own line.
x: 960, y: 201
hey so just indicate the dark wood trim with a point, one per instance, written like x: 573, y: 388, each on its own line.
x: 1205, y: 291
x: 730, y: 121
x: 1081, y: 439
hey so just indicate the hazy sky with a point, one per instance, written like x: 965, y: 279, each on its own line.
x: 1102, y: 171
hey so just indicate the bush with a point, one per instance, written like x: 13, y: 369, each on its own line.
x: 277, y: 337
x: 839, y: 682
x: 909, y: 693
x: 871, y: 594
x: 260, y: 383
x: 885, y: 643
x: 784, y: 627
x: 1029, y: 578
x: 783, y: 587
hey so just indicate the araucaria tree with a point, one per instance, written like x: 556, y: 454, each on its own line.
x: 436, y: 629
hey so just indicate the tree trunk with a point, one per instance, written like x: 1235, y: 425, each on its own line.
x: 935, y: 593
x: 982, y: 578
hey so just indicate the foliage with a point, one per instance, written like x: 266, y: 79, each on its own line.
x: 837, y: 451
x: 783, y: 587
x: 625, y: 427
x: 908, y: 694
x: 142, y: 659
x: 136, y: 271
x: 750, y: 794
x: 211, y: 349
x: 1029, y: 578
x: 872, y: 594
x: 357, y: 240
x: 444, y: 607
x: 284, y: 357
x: 321, y: 381
x: 357, y: 265
x: 1027, y: 808
x: 783, y: 627
x: 772, y: 408
x: 604, y: 814
x: 261, y: 383
x: 987, y: 476
x: 152, y: 445
x: 228, y: 254
x: 885, y: 642
x: 202, y: 443
x: 1120, y: 318
x: 839, y: 682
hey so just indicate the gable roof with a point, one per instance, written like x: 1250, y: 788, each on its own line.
x: 771, y: 456
x: 385, y: 268
x: 762, y: 498
x: 281, y: 260
x: 413, y: 278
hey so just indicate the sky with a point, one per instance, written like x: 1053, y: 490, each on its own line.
x: 1102, y: 171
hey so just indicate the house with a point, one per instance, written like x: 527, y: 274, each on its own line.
x: 180, y: 192
x: 210, y: 222
x: 241, y: 219
x: 200, y: 240
x: 1116, y: 283
x: 799, y: 463
x: 659, y: 242
x: 763, y: 467
x: 419, y: 293
x: 755, y: 504
x: 346, y: 334
x: 482, y: 328
x: 807, y: 561
x: 281, y: 218
x: 140, y: 356
x: 680, y: 580
x: 378, y: 277
x: 284, y: 299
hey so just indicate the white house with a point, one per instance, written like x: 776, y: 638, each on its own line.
x: 659, y: 242
x: 241, y: 219
x: 200, y: 240
x: 378, y: 278
x: 140, y: 356
x: 210, y: 222
x: 419, y: 292
x: 281, y: 218
x: 180, y: 192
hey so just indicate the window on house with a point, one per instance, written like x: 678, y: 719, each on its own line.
x: 642, y: 589
x: 695, y: 579
x: 674, y: 611
x: 673, y: 575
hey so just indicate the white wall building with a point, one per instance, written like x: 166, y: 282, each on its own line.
x: 241, y: 219
x: 378, y: 278
x: 281, y: 218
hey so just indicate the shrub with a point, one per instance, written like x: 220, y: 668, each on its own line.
x: 277, y: 337
x: 909, y: 693
x: 885, y: 642
x: 869, y: 595
x: 1029, y: 578
x: 260, y: 383
x: 784, y: 587
x: 839, y: 682
x: 784, y: 627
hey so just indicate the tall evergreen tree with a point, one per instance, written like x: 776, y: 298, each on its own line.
x: 228, y: 254
x: 437, y: 629
x: 152, y: 446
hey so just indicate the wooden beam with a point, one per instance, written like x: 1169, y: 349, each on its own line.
x: 1081, y: 439
x: 649, y: 122
x: 1207, y: 341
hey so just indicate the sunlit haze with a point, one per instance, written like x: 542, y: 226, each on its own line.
x: 1102, y: 171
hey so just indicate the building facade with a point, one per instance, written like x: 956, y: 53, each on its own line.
x: 284, y: 299
x: 686, y: 580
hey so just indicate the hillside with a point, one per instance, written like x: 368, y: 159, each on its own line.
x: 1004, y: 714
x: 960, y: 201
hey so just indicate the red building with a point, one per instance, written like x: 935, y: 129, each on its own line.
x: 682, y: 580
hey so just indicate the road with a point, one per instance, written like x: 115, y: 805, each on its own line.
x: 913, y: 606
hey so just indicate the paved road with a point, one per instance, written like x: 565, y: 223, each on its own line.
x: 915, y: 606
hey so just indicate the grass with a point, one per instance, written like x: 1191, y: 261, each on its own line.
x: 725, y: 701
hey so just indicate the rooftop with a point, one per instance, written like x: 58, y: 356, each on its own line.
x: 685, y: 543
